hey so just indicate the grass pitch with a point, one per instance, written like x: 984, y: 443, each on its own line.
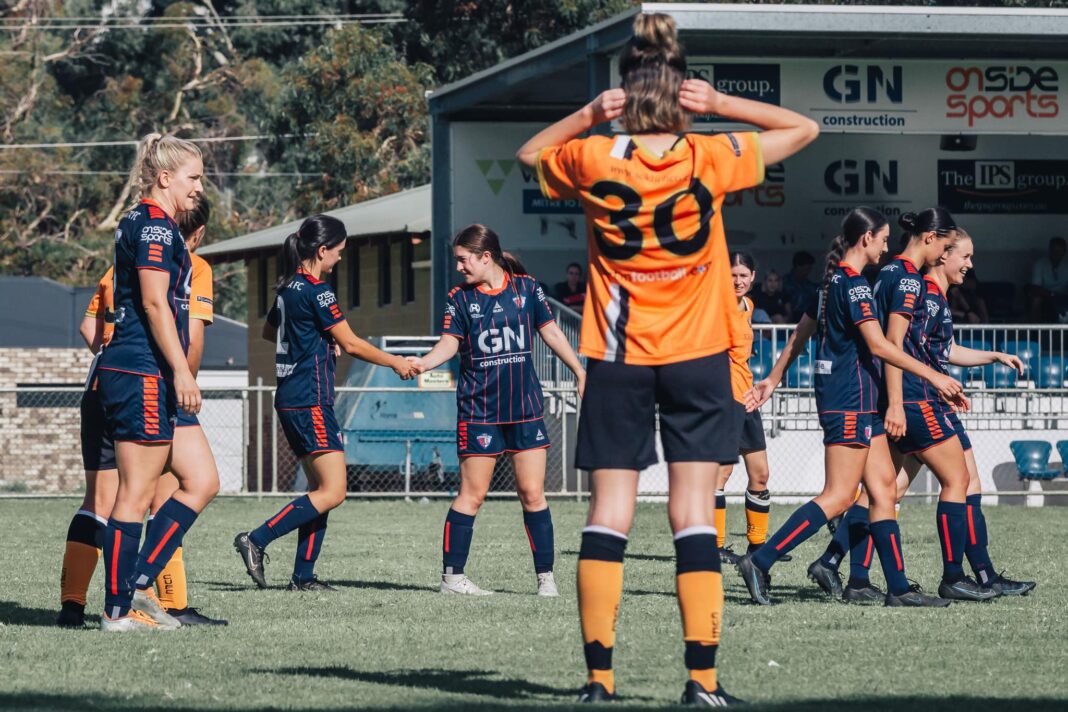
x: 387, y: 640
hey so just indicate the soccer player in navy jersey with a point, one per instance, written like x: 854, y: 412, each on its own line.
x: 851, y: 348
x: 490, y: 320
x: 143, y: 380
x: 306, y: 325
x: 940, y: 350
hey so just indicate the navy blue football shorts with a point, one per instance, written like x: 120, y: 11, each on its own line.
x: 926, y: 424
x: 958, y: 427
x: 186, y: 420
x: 849, y: 428
x: 311, y: 430
x: 137, y: 408
x: 490, y: 439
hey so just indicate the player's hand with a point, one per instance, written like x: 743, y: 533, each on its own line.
x: 417, y: 365
x: 1010, y: 360
x: 948, y: 388
x: 758, y: 395
x: 894, y: 421
x: 960, y: 404
x: 581, y: 378
x: 187, y: 392
x: 607, y: 106
x: 699, y: 97
x: 337, y: 350
x: 403, y: 368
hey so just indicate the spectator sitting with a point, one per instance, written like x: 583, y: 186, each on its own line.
x: 771, y: 300
x: 1048, y: 291
x: 573, y: 291
x: 798, y: 289
x: 967, y: 305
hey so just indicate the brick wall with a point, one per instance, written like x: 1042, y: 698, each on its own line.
x: 40, y: 449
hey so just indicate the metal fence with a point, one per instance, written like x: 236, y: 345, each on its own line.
x: 402, y: 454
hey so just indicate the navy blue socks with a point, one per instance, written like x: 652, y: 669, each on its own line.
x: 121, y: 542
x: 539, y: 526
x: 456, y: 541
x: 309, y: 543
x: 886, y: 535
x: 165, y: 533
x: 952, y: 533
x: 292, y: 516
x: 802, y: 524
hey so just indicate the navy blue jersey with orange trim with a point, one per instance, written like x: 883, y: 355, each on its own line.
x: 939, y: 328
x: 304, y: 312
x: 147, y: 239
x: 901, y: 289
x: 496, y: 329
x: 847, y: 375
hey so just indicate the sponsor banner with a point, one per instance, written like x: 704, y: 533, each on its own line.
x: 905, y: 96
x: 1004, y: 186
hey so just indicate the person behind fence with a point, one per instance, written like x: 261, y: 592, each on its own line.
x: 751, y: 444
x: 940, y: 350
x: 850, y: 348
x: 800, y: 291
x: 490, y: 320
x: 308, y: 329
x: 86, y: 530
x: 658, y: 322
x: 571, y: 291
x: 966, y: 303
x: 144, y: 379
x: 1047, y: 293
x: 771, y: 300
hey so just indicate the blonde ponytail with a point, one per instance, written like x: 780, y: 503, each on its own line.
x: 157, y: 153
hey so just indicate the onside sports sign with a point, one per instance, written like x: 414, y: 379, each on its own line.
x: 900, y: 96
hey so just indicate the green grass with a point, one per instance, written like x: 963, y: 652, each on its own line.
x: 387, y: 640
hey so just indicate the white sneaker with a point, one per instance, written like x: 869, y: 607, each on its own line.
x: 145, y: 601
x: 459, y: 583
x: 132, y: 622
x: 547, y: 585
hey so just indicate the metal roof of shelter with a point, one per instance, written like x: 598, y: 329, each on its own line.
x: 544, y: 83
x: 405, y: 212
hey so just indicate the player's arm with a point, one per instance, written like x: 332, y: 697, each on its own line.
x: 270, y: 332
x: 364, y: 350
x: 92, y: 331
x: 196, y: 344
x: 154, y: 284
x: 785, y: 132
x: 444, y: 350
x: 607, y: 106
x: 762, y: 390
x: 896, y: 328
x: 554, y: 338
x: 891, y: 354
x: 964, y: 356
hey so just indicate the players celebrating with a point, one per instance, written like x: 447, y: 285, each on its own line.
x: 305, y: 324
x: 144, y: 379
x: 490, y: 320
x: 658, y: 321
x: 851, y: 346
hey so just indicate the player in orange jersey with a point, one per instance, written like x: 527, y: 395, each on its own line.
x: 751, y: 443
x: 658, y: 321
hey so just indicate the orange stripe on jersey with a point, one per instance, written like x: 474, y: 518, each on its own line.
x: 319, y: 425
x: 932, y: 422
x: 150, y: 400
x: 659, y: 287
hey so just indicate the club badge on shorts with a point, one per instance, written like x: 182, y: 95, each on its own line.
x: 484, y: 440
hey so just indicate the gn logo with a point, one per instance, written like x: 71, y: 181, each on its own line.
x: 849, y: 177
x: 852, y: 84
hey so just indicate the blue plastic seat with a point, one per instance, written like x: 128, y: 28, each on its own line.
x: 802, y: 372
x: 1032, y: 459
x: 1049, y: 373
x: 762, y: 349
x: 1026, y: 351
x: 956, y: 372
x: 1062, y: 450
x: 998, y: 375
x: 760, y: 366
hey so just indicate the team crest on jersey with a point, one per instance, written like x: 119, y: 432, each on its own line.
x: 475, y: 310
x: 867, y: 432
x: 521, y: 302
x: 484, y: 440
x: 497, y: 308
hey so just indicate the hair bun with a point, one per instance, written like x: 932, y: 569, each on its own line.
x: 908, y: 221
x: 656, y: 37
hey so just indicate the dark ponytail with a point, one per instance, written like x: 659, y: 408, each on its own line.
x: 859, y: 222
x: 189, y: 221
x: 936, y: 220
x: 480, y: 239
x: 315, y: 232
x: 744, y: 259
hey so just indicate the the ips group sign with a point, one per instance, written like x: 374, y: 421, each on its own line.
x: 1004, y: 186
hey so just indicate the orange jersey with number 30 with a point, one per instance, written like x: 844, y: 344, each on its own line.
x: 660, y: 287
